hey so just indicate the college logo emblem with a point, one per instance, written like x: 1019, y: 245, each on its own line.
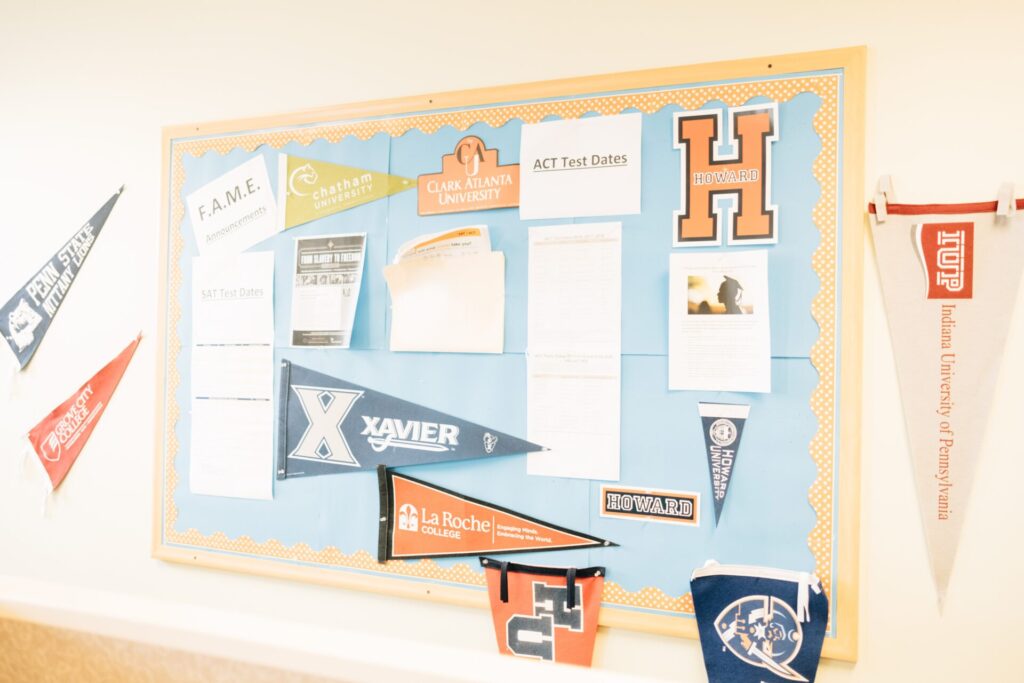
x: 947, y: 254
x: 726, y: 191
x: 22, y: 322
x: 762, y: 631
x: 722, y: 432
x: 471, y: 179
x: 408, y: 518
x: 305, y: 174
x: 323, y: 439
x: 490, y: 441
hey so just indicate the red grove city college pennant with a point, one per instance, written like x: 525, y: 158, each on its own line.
x: 949, y: 277
x: 418, y: 519
x: 546, y: 613
x: 60, y: 436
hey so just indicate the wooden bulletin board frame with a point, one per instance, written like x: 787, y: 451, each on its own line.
x: 842, y: 471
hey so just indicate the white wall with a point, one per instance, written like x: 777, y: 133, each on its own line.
x: 85, y: 88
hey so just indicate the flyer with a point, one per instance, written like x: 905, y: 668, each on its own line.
x: 231, y: 213
x: 325, y: 289
x: 580, y: 167
x: 719, y: 335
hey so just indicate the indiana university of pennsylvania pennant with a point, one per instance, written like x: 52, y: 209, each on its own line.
x: 545, y: 613
x: 418, y: 519
x: 329, y: 426
x: 26, y: 317
x: 950, y: 274
x: 59, y: 437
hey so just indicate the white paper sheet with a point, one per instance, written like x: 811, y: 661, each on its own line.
x: 573, y: 408
x: 719, y: 326
x: 232, y: 376
x: 580, y: 167
x: 574, y: 350
x: 233, y: 441
x: 234, y: 211
x: 453, y: 304
x: 328, y: 275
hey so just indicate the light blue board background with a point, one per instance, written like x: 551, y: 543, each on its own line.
x: 767, y: 517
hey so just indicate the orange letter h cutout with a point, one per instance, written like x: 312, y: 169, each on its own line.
x: 708, y: 174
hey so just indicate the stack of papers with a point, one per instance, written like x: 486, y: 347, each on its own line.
x: 448, y: 293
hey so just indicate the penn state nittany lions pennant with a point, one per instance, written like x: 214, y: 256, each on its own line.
x: 545, y: 613
x: 329, y: 426
x: 949, y: 275
x: 59, y: 437
x: 723, y: 427
x: 418, y: 519
x: 26, y: 317
x: 759, y: 625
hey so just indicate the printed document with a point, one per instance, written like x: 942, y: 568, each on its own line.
x: 232, y: 440
x: 231, y: 213
x: 573, y: 384
x: 580, y: 167
x: 325, y: 291
x: 719, y: 332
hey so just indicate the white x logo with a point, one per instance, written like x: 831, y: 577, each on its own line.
x: 323, y: 440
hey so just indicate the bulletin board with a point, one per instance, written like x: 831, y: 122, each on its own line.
x: 793, y: 501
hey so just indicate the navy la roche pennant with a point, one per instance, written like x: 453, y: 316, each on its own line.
x: 27, y: 315
x: 327, y: 425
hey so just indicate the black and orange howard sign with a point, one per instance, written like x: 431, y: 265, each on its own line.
x: 726, y: 175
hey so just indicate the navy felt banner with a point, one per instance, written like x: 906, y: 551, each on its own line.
x: 329, y: 426
x: 26, y: 317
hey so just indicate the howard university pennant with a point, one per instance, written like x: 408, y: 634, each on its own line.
x: 544, y: 613
x: 722, y: 424
x: 418, y: 519
x: 26, y: 317
x: 329, y: 426
x: 59, y: 437
x: 949, y: 277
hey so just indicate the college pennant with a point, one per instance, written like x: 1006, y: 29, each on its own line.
x: 308, y: 189
x: 546, y: 613
x: 723, y: 428
x: 26, y: 317
x: 418, y: 519
x: 949, y: 276
x: 329, y: 426
x: 59, y: 437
